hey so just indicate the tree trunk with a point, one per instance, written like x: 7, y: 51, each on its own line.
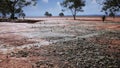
x: 74, y: 16
x: 12, y: 15
x: 13, y: 12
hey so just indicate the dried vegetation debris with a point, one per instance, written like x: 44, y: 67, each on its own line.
x: 111, y: 39
x: 79, y: 53
x: 94, y: 48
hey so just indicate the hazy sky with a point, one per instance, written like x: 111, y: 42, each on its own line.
x: 53, y: 6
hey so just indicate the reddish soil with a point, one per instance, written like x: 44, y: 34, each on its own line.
x: 7, y: 61
x: 109, y: 26
x: 14, y: 40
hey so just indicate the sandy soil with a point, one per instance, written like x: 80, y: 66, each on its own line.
x: 39, y: 45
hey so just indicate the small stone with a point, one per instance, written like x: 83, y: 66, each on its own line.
x: 101, y: 57
x: 61, y: 53
x: 1, y: 61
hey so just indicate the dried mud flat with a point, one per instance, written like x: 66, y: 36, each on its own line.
x: 60, y: 43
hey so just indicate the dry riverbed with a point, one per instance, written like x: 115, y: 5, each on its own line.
x: 60, y: 44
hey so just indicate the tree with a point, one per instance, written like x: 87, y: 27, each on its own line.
x: 22, y: 14
x: 111, y: 7
x: 61, y: 14
x: 15, y: 6
x: 3, y: 8
x: 48, y: 14
x: 74, y: 6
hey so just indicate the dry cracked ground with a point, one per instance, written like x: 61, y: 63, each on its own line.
x: 60, y: 43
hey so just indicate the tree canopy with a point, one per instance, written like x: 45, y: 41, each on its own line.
x: 14, y: 6
x: 74, y: 6
x: 111, y: 7
x: 22, y: 14
x: 3, y: 8
x: 48, y: 14
x: 61, y: 14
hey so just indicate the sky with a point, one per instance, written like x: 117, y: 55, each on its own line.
x: 53, y: 6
